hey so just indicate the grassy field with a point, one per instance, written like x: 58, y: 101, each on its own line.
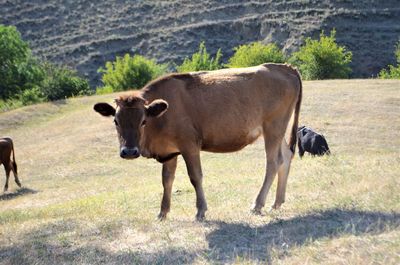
x: 82, y: 204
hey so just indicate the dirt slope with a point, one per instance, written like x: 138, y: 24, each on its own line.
x: 85, y: 34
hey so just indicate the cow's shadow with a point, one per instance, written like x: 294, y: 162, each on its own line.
x: 232, y: 240
x: 20, y: 192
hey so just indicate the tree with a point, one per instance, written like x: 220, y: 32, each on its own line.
x: 18, y: 69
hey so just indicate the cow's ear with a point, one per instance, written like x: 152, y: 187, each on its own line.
x: 104, y: 109
x: 156, y: 108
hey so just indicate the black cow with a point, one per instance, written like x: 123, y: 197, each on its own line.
x: 312, y: 142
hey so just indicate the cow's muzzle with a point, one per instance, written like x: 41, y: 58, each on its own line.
x: 129, y: 153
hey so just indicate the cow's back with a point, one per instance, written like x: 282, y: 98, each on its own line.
x: 225, y: 110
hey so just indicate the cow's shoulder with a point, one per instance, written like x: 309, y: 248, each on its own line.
x: 164, y: 80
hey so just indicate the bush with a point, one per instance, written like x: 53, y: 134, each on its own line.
x: 256, y: 53
x: 130, y: 73
x: 104, y: 90
x: 323, y: 58
x: 18, y: 69
x: 394, y: 71
x: 61, y: 82
x: 31, y: 96
x: 391, y: 73
x: 9, y: 104
x: 24, y: 80
x: 201, y: 61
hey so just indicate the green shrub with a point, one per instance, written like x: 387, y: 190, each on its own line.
x: 9, y: 104
x: 256, y: 53
x: 201, y: 61
x: 18, y: 69
x: 394, y: 71
x: 104, y: 90
x: 129, y: 73
x: 323, y: 58
x: 31, y: 96
x: 24, y: 80
x: 61, y: 82
x: 391, y: 73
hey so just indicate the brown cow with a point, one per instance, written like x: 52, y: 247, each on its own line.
x: 216, y: 111
x: 6, y: 147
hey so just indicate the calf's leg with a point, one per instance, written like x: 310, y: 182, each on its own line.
x: 274, y: 160
x: 168, y: 176
x: 301, y: 149
x: 283, y: 173
x: 14, y: 170
x: 7, y: 169
x: 193, y: 165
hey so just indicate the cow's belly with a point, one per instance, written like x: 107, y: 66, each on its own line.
x: 227, y: 141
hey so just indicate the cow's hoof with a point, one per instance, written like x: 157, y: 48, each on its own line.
x: 256, y: 211
x: 19, y: 184
x: 162, y: 217
x: 200, y: 217
x: 276, y: 206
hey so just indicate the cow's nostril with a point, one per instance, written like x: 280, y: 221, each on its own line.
x: 129, y: 152
x: 135, y: 152
x: 123, y: 152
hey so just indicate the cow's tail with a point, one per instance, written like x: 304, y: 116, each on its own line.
x: 14, y: 162
x: 293, y: 136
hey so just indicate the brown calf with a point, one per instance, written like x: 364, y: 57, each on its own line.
x: 216, y: 111
x: 6, y: 147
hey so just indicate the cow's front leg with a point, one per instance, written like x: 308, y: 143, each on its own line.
x: 168, y: 176
x: 193, y: 165
x: 301, y: 149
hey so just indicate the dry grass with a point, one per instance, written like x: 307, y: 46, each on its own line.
x: 82, y: 204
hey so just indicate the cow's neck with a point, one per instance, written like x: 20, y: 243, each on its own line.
x: 153, y: 144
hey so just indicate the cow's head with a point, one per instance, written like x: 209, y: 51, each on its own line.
x: 301, y: 131
x: 130, y: 118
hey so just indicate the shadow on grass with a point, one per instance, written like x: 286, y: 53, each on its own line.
x: 36, y: 253
x: 49, y: 245
x: 53, y: 244
x: 20, y: 192
x: 232, y: 240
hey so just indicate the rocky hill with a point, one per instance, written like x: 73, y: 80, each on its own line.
x: 84, y: 34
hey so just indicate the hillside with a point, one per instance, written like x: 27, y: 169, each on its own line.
x: 84, y: 34
x: 82, y: 204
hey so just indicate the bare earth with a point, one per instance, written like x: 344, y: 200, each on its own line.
x: 84, y: 34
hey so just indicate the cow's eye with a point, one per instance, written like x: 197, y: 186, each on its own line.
x: 116, y: 123
x: 143, y: 122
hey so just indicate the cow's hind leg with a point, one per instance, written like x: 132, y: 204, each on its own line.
x: 283, y: 173
x: 193, y: 165
x: 14, y: 170
x: 274, y: 160
x: 7, y: 169
x: 168, y: 176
